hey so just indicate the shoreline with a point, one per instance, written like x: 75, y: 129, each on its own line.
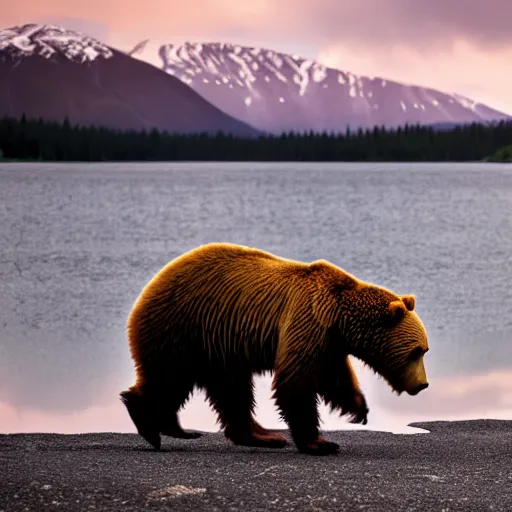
x: 460, y: 465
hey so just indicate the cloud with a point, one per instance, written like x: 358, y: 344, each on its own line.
x: 163, y: 17
x: 92, y: 28
x: 425, y: 25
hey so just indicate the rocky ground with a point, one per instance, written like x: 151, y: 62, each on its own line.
x: 461, y: 466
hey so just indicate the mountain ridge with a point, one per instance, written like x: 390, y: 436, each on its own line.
x: 55, y: 73
x: 207, y: 87
x: 262, y: 81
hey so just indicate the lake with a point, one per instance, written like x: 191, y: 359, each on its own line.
x: 79, y: 241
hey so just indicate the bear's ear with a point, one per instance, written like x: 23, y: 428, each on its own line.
x: 409, y: 301
x: 396, y: 311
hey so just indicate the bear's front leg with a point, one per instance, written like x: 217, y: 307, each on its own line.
x: 295, y: 387
x: 339, y: 388
x: 299, y: 410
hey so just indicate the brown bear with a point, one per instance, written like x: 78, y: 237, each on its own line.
x: 217, y: 315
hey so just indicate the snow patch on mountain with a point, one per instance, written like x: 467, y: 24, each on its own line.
x: 252, y: 68
x: 465, y: 102
x: 280, y: 92
x: 49, y: 40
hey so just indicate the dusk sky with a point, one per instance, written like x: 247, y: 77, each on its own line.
x: 451, y: 45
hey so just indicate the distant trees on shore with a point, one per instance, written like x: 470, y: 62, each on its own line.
x: 503, y: 154
x: 22, y: 139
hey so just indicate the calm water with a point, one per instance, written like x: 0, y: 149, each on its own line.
x: 78, y: 243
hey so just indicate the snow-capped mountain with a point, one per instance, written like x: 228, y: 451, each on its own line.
x: 54, y: 73
x: 278, y: 92
x: 47, y: 40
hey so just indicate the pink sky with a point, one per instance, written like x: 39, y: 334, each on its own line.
x: 454, y: 46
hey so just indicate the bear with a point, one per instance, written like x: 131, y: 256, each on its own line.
x: 221, y: 313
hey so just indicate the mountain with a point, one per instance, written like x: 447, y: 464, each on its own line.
x: 54, y: 73
x: 278, y: 92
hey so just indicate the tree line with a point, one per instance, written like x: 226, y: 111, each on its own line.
x: 23, y: 139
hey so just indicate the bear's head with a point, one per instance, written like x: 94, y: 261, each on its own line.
x: 385, y: 332
x: 403, y: 346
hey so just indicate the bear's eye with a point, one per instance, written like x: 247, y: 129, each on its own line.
x: 416, y: 353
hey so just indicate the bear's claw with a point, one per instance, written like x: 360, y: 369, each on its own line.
x: 320, y: 447
x: 182, y: 434
x: 268, y: 440
x: 152, y: 438
x: 358, y: 410
x: 360, y: 417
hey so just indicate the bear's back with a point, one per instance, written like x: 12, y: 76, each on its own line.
x: 212, y: 263
x: 216, y: 291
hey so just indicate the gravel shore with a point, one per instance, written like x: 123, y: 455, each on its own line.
x: 458, y: 466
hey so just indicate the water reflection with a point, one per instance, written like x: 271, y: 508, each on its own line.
x: 79, y: 242
x: 449, y: 399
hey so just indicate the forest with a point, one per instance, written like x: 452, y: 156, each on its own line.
x: 38, y: 140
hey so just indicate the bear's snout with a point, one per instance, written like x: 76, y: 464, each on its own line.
x: 414, y: 391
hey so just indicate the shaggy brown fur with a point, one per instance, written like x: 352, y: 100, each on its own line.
x: 218, y: 314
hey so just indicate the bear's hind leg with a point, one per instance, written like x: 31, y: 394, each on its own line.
x: 178, y: 392
x: 154, y: 409
x: 142, y: 410
x: 300, y: 412
x: 173, y: 428
x: 233, y: 399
